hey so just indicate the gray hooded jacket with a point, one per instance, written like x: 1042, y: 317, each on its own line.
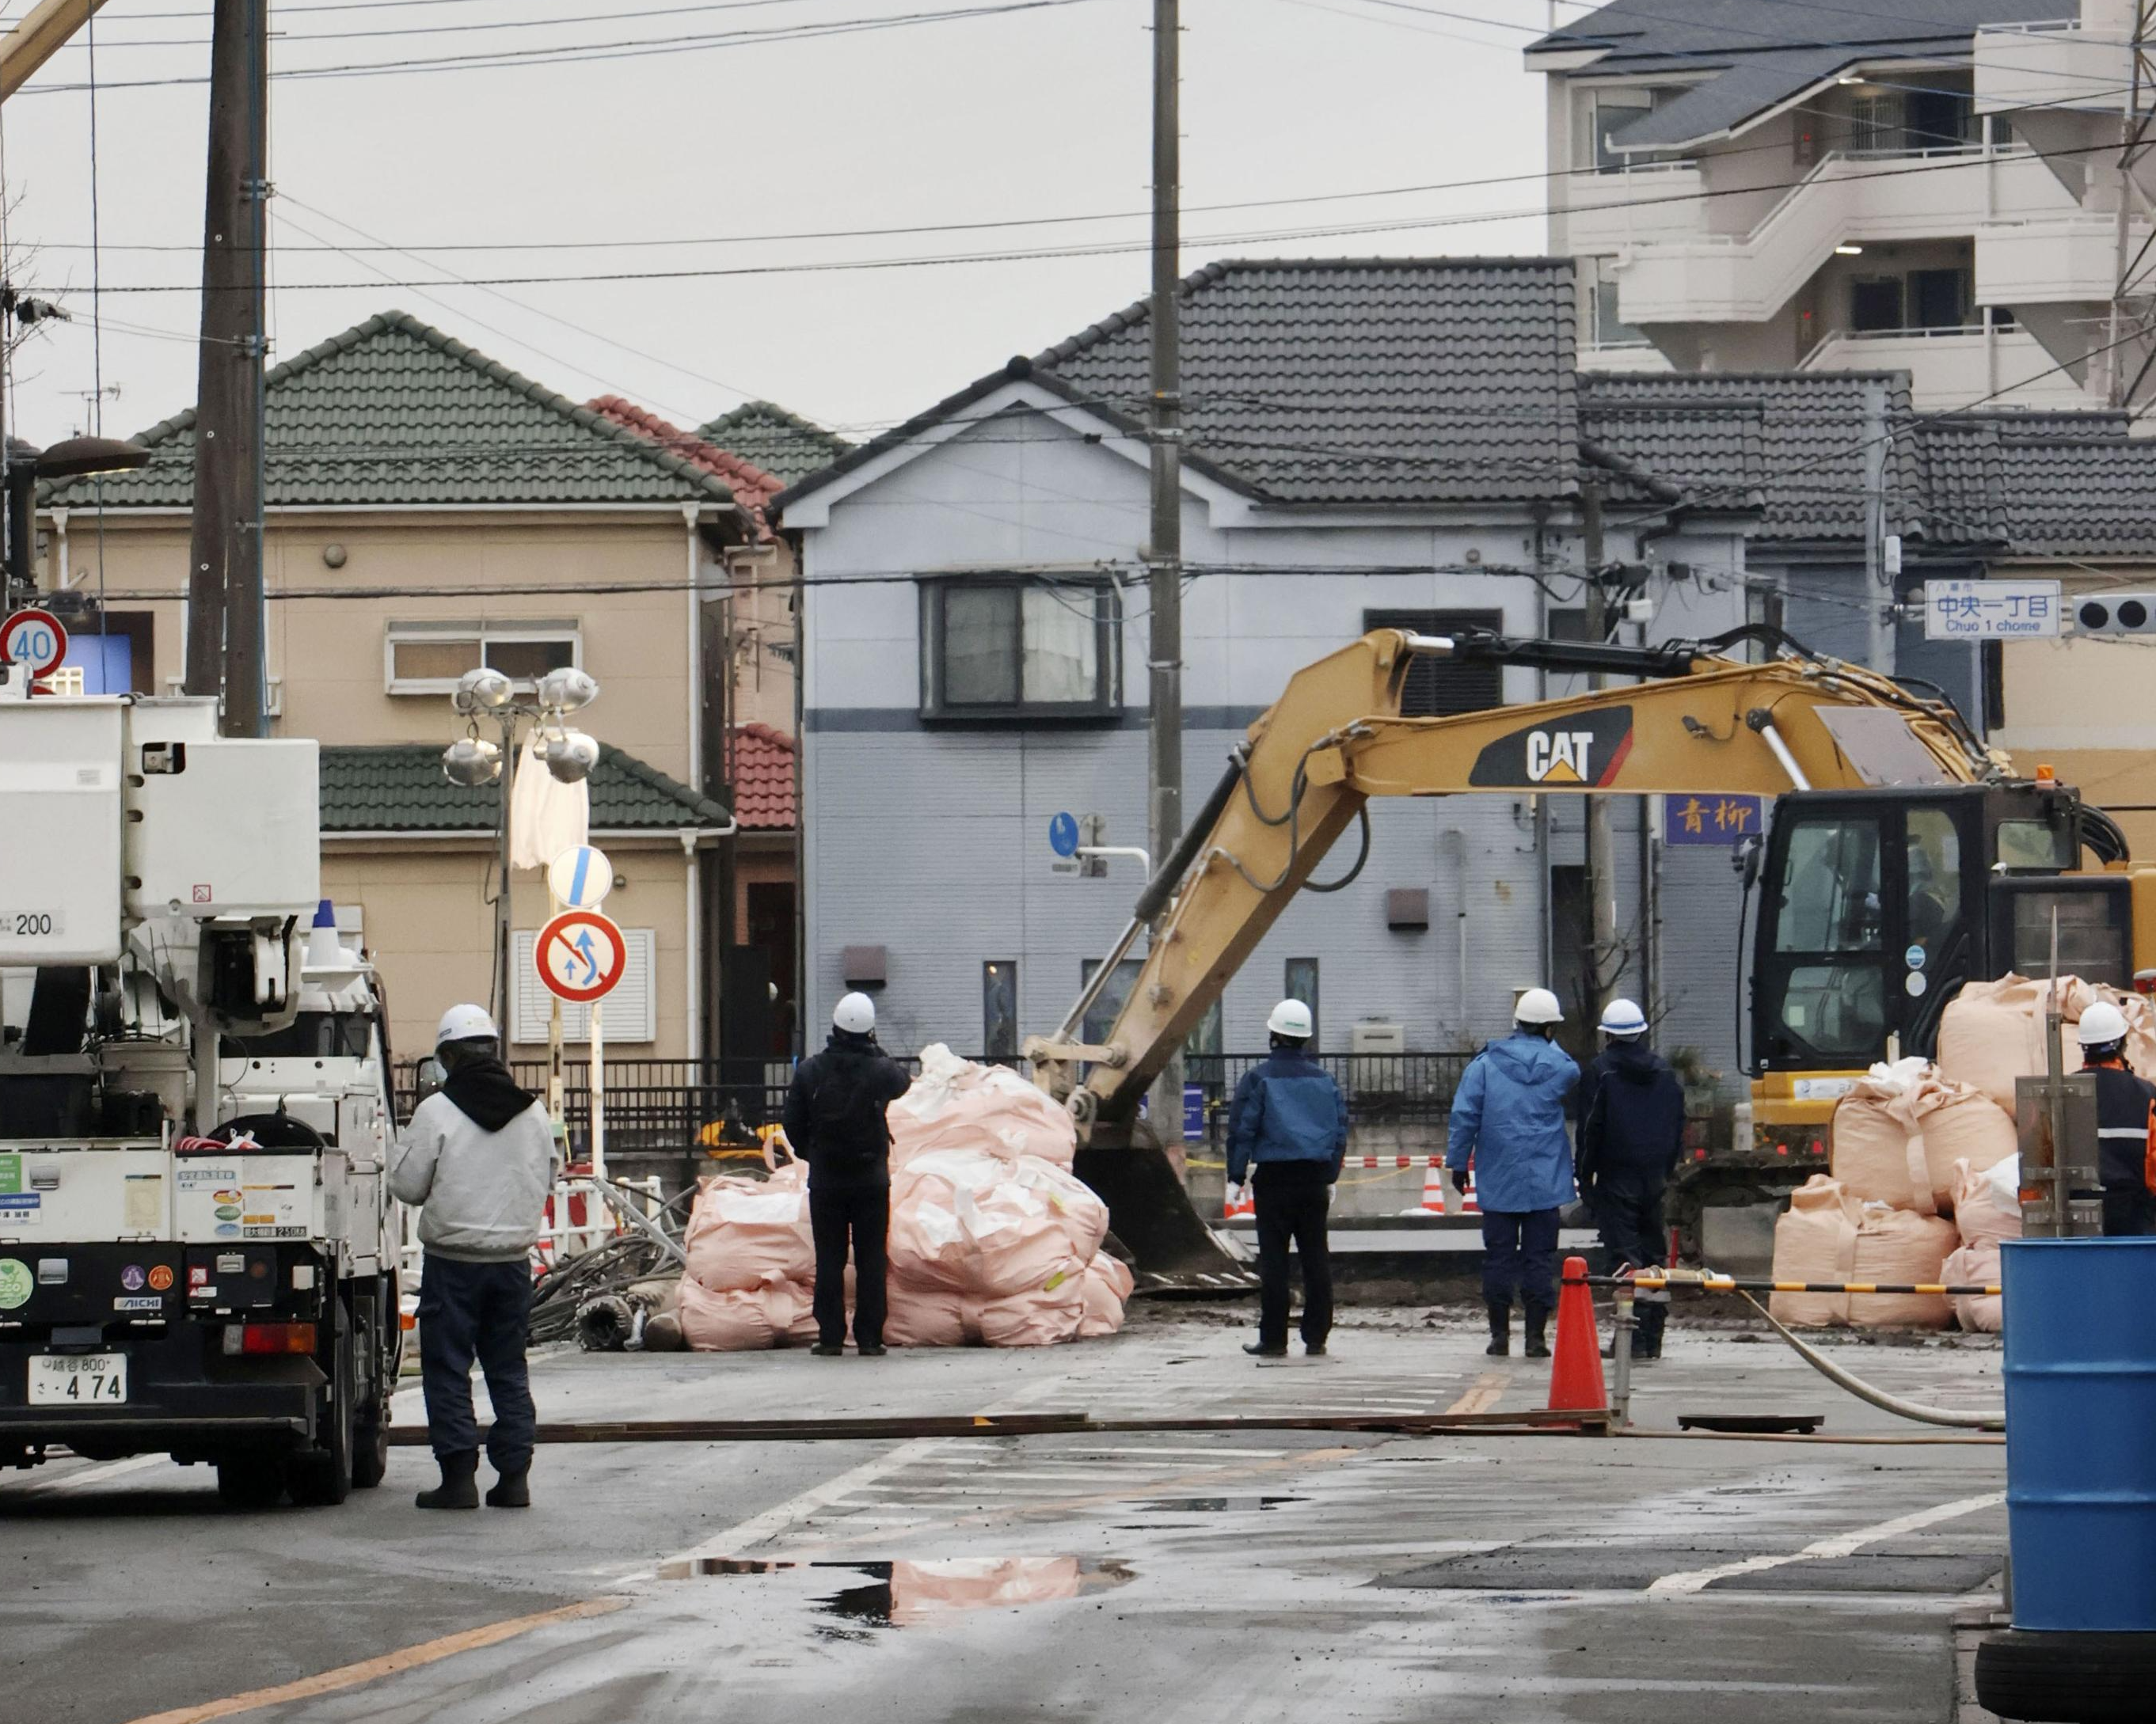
x: 481, y: 1194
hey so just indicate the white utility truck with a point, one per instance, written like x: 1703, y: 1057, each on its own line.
x: 198, y: 1253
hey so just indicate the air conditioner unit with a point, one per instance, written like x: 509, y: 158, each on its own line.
x: 1375, y: 1066
x: 1380, y: 1035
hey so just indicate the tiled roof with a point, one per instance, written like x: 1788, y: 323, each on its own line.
x: 1718, y: 453
x: 395, y: 412
x: 2081, y: 498
x: 780, y: 443
x: 1762, y: 53
x: 1964, y: 496
x: 752, y: 486
x: 399, y: 787
x: 763, y: 778
x: 1339, y: 380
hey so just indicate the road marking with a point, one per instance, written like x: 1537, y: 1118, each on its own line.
x: 1483, y: 1393
x: 90, y: 1479
x: 390, y: 1663
x: 1842, y: 1544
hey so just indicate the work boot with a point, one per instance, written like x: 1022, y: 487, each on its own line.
x: 1314, y: 1349
x: 828, y: 1350
x: 1501, y: 1324
x: 1647, y: 1339
x: 459, y: 1485
x: 1537, y: 1326
x: 872, y: 1349
x: 1265, y: 1349
x: 511, y: 1490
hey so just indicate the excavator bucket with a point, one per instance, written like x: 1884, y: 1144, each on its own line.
x: 1170, y: 1251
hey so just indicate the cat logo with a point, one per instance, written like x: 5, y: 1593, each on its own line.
x: 1587, y: 752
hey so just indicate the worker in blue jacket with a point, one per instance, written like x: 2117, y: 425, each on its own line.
x: 1508, y: 1120
x: 1287, y: 1134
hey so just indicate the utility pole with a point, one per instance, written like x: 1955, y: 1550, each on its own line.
x: 1164, y: 552
x: 1603, y: 966
x: 224, y: 571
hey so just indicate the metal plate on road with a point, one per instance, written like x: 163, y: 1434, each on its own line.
x: 580, y: 878
x: 79, y: 1380
x: 35, y: 640
x: 581, y: 956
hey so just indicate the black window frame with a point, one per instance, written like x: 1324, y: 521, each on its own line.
x: 1445, y: 688
x: 1104, y: 707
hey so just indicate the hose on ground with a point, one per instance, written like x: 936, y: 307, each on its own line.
x: 1877, y: 1397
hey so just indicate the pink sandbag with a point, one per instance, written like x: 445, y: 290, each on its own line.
x: 1044, y: 1315
x: 1988, y: 1203
x: 747, y: 1319
x: 1977, y: 1267
x: 1901, y: 1129
x: 1829, y: 1235
x: 1107, y: 1288
x: 927, y: 1316
x: 743, y: 1232
x: 1992, y: 1032
x: 956, y: 1104
x: 969, y: 1221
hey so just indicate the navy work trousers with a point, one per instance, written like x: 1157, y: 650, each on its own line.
x: 862, y: 1213
x: 1628, y: 1216
x: 470, y: 1310
x: 1291, y: 1199
x: 1519, y: 1258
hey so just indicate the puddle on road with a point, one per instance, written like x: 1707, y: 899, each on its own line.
x: 913, y: 1595
x: 1216, y: 1505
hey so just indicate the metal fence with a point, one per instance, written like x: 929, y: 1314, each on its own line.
x: 667, y: 1106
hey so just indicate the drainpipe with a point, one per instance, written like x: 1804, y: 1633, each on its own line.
x: 59, y: 569
x: 692, y: 943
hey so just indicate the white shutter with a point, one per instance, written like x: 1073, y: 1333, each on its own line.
x: 632, y: 1009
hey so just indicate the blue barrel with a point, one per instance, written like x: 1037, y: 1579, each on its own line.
x: 2081, y: 1432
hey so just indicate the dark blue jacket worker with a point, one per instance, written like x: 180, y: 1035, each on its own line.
x: 1508, y: 1123
x: 1630, y: 1108
x: 2126, y: 1124
x: 1287, y: 1134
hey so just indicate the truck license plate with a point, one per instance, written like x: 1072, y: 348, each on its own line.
x: 79, y: 1380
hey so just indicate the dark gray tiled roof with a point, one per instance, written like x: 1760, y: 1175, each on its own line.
x: 1716, y: 448
x: 2081, y: 498
x: 1340, y: 381
x: 1764, y: 51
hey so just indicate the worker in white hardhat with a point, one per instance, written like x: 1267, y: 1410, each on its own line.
x: 1508, y: 1120
x: 478, y: 1160
x: 835, y: 1121
x: 1287, y: 1135
x: 1631, y: 1110
x: 2125, y: 1122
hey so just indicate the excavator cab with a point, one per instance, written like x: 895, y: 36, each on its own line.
x: 1876, y: 905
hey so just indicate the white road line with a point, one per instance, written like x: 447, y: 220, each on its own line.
x: 92, y: 1477
x: 1192, y: 1448
x: 1842, y: 1544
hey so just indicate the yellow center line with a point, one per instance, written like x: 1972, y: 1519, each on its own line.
x: 1484, y: 1394
x: 390, y: 1663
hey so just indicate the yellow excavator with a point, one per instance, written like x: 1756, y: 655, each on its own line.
x: 1901, y: 860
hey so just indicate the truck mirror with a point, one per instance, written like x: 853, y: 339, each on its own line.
x: 1745, y: 859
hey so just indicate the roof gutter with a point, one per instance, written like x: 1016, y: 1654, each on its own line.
x: 686, y: 836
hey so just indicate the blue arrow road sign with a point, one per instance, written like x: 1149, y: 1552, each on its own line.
x: 1063, y: 834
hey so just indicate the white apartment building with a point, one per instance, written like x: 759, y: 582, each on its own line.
x: 1757, y: 185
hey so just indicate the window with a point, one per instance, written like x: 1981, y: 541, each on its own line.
x: 1437, y: 688
x: 1831, y: 901
x: 1874, y: 303
x: 2038, y: 844
x: 428, y: 658
x: 1939, y: 298
x: 1299, y: 981
x: 1875, y: 124
x: 631, y: 1009
x: 1939, y: 119
x: 1608, y: 329
x: 999, y: 1009
x: 1205, y: 1041
x: 1101, y: 1018
x: 1934, y: 884
x: 1017, y: 647
x: 1609, y: 111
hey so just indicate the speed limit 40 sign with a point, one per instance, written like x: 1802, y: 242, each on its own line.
x: 35, y: 640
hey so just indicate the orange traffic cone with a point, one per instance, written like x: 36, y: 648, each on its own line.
x: 1246, y: 1204
x: 1433, y: 1187
x: 1576, y: 1361
x: 1468, y: 1206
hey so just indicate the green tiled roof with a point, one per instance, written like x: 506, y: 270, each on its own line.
x: 399, y: 787
x: 395, y: 412
x: 785, y: 445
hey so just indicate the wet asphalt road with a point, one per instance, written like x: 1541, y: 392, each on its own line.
x: 1175, y: 1577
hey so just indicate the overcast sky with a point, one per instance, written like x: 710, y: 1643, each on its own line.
x: 990, y: 119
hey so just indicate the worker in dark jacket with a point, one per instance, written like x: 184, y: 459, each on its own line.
x: 1630, y: 1109
x: 835, y: 1122
x: 2126, y: 1124
x: 1508, y: 1122
x: 1287, y: 1134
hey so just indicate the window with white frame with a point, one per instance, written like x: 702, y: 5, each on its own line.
x: 1607, y: 111
x: 1018, y: 646
x: 428, y: 658
x: 1607, y: 329
x: 632, y: 1009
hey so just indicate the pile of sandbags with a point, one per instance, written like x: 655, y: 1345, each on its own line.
x: 1987, y: 1209
x: 1992, y: 1033
x: 993, y: 1240
x: 1903, y: 1129
x: 1830, y: 1234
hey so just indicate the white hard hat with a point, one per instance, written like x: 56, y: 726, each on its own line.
x: 1624, y: 1017
x: 1291, y: 1017
x: 465, y: 1024
x: 1538, y: 1005
x: 2102, y: 1023
x: 854, y: 1014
